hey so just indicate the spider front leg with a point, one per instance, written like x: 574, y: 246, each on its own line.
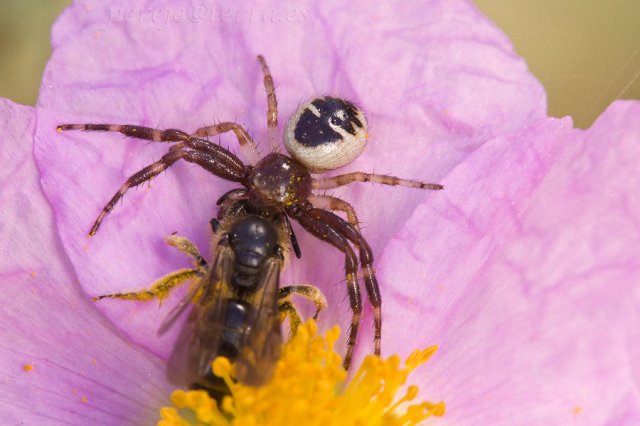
x: 272, y: 102
x: 346, y: 179
x: 210, y: 156
x: 328, y: 234
x: 247, y: 145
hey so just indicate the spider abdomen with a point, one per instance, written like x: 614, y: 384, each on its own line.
x: 326, y: 133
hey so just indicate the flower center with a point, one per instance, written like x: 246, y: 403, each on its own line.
x: 308, y: 387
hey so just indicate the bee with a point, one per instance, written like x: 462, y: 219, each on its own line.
x: 237, y: 301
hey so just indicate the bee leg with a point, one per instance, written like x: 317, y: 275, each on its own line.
x: 287, y: 308
x: 310, y: 292
x: 160, y: 289
x: 188, y: 248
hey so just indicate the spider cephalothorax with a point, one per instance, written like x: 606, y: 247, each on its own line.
x: 323, y: 134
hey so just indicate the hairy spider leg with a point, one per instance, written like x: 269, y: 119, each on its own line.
x: 346, y: 179
x: 210, y: 156
x: 247, y: 145
x: 272, y: 104
x: 328, y: 202
x: 269, y: 86
x: 327, y: 233
x: 366, y: 265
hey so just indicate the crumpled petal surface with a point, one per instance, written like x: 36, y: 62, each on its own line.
x: 62, y: 362
x: 521, y: 270
x: 532, y: 293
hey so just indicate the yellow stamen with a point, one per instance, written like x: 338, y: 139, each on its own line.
x: 308, y: 388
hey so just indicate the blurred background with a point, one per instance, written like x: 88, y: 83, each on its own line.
x: 585, y: 52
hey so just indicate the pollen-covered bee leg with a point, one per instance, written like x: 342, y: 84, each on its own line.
x: 188, y: 248
x: 325, y: 232
x: 160, y: 289
x: 288, y: 309
x: 366, y: 265
x: 247, y: 145
x: 346, y: 179
x: 309, y: 292
x: 332, y: 203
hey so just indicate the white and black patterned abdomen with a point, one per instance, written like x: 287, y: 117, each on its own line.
x: 326, y: 133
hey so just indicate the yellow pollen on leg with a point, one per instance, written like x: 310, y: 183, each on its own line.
x: 310, y: 387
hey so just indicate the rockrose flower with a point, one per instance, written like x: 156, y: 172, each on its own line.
x: 524, y: 271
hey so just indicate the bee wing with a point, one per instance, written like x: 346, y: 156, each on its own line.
x: 262, y: 344
x: 201, y: 332
x: 178, y: 310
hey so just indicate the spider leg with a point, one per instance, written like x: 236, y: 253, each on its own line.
x: 272, y: 102
x: 366, y: 264
x: 292, y: 235
x: 325, y: 232
x: 327, y: 202
x: 220, y: 154
x: 346, y: 179
x: 231, y: 203
x: 177, y: 152
x: 247, y: 145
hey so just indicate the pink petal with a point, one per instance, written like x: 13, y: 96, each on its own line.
x: 437, y: 80
x: 83, y: 371
x: 526, y: 275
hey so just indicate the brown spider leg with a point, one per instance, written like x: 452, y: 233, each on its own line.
x: 177, y: 152
x: 230, y: 202
x: 328, y: 234
x: 272, y: 102
x: 346, y: 179
x: 222, y: 156
x: 366, y: 265
x: 328, y: 202
x: 247, y: 145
